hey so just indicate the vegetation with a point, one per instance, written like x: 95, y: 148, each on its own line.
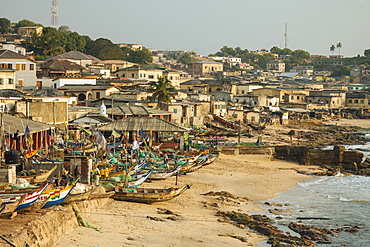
x: 142, y: 56
x: 162, y: 91
x: 186, y: 59
x: 4, y: 25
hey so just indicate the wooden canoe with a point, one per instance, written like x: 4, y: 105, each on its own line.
x: 77, y: 197
x: 39, y: 178
x: 145, y: 195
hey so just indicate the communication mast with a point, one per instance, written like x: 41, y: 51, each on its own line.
x: 54, y: 14
x: 286, y: 35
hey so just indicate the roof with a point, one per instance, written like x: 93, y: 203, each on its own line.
x: 144, y: 123
x: 289, y: 74
x: 205, y: 61
x: 13, y: 123
x: 46, y: 93
x: 136, y: 110
x: 84, y: 88
x: 76, y: 55
x: 11, y: 93
x: 9, y: 53
x: 61, y: 65
x: 93, y: 119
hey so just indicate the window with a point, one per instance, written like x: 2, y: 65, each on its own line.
x: 10, y: 66
x: 20, y: 82
x: 356, y: 101
x: 242, y: 91
x: 32, y: 66
x: 349, y: 101
x: 362, y: 101
x: 133, y: 75
x: 97, y: 95
x: 1, y: 83
x: 17, y: 66
x: 175, y: 111
x: 23, y: 66
x: 10, y: 81
x: 151, y: 76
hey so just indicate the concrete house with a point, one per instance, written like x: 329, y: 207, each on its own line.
x: 29, y: 31
x: 140, y: 72
x: 173, y: 76
x: 326, y: 99
x: 357, y: 100
x: 205, y: 68
x: 88, y: 92
x: 78, y: 57
x: 7, y: 77
x: 276, y: 65
x: 25, y: 67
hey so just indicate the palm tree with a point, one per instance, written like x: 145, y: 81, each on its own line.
x: 332, y: 49
x: 339, y: 45
x: 162, y: 91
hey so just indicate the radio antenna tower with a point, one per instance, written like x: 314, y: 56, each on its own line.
x: 286, y: 35
x: 54, y: 14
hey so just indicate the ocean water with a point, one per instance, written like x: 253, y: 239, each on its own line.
x: 344, y: 200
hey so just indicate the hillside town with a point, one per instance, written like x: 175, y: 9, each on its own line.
x: 105, y: 118
x: 73, y: 86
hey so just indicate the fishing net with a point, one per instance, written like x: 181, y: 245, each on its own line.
x: 81, y: 220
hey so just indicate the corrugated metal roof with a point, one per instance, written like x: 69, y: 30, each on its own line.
x: 13, y: 123
x: 144, y: 123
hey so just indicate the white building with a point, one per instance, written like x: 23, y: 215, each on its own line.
x: 60, y: 82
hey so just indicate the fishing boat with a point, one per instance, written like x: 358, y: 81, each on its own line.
x: 18, y: 191
x: 27, y: 201
x: 78, y: 197
x: 211, y: 158
x: 56, y: 196
x: 39, y: 178
x: 147, y: 195
x: 161, y: 175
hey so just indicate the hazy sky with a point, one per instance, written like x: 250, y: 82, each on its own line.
x: 205, y: 26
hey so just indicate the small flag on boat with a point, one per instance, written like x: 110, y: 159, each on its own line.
x: 116, y: 133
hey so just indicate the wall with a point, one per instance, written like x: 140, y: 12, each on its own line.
x: 337, y: 157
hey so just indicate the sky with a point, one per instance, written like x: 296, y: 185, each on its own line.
x: 205, y: 26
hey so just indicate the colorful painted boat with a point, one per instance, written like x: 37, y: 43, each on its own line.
x: 161, y: 175
x: 145, y: 195
x: 57, y: 196
x: 27, y: 201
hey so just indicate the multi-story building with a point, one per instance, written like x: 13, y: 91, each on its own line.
x: 276, y: 65
x: 7, y: 77
x: 25, y: 67
x: 205, y: 68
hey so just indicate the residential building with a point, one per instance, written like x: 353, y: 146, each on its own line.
x: 357, y: 100
x: 79, y: 58
x: 88, y: 92
x: 205, y: 68
x: 25, y: 67
x: 140, y: 72
x: 60, y: 82
x: 7, y: 78
x: 115, y: 65
x: 29, y: 31
x: 303, y: 70
x: 173, y: 76
x: 15, y: 48
x: 276, y: 65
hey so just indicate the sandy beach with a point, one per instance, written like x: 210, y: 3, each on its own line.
x: 252, y: 178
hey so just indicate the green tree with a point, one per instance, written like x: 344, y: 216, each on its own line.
x: 161, y: 91
x: 105, y: 49
x: 186, y: 59
x: 275, y: 50
x: 4, y: 25
x: 332, y: 49
x: 26, y: 23
x: 367, y: 53
x: 285, y: 51
x: 75, y: 42
x: 64, y: 29
x: 50, y: 43
x: 339, y: 46
x: 142, y: 56
x: 342, y: 71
